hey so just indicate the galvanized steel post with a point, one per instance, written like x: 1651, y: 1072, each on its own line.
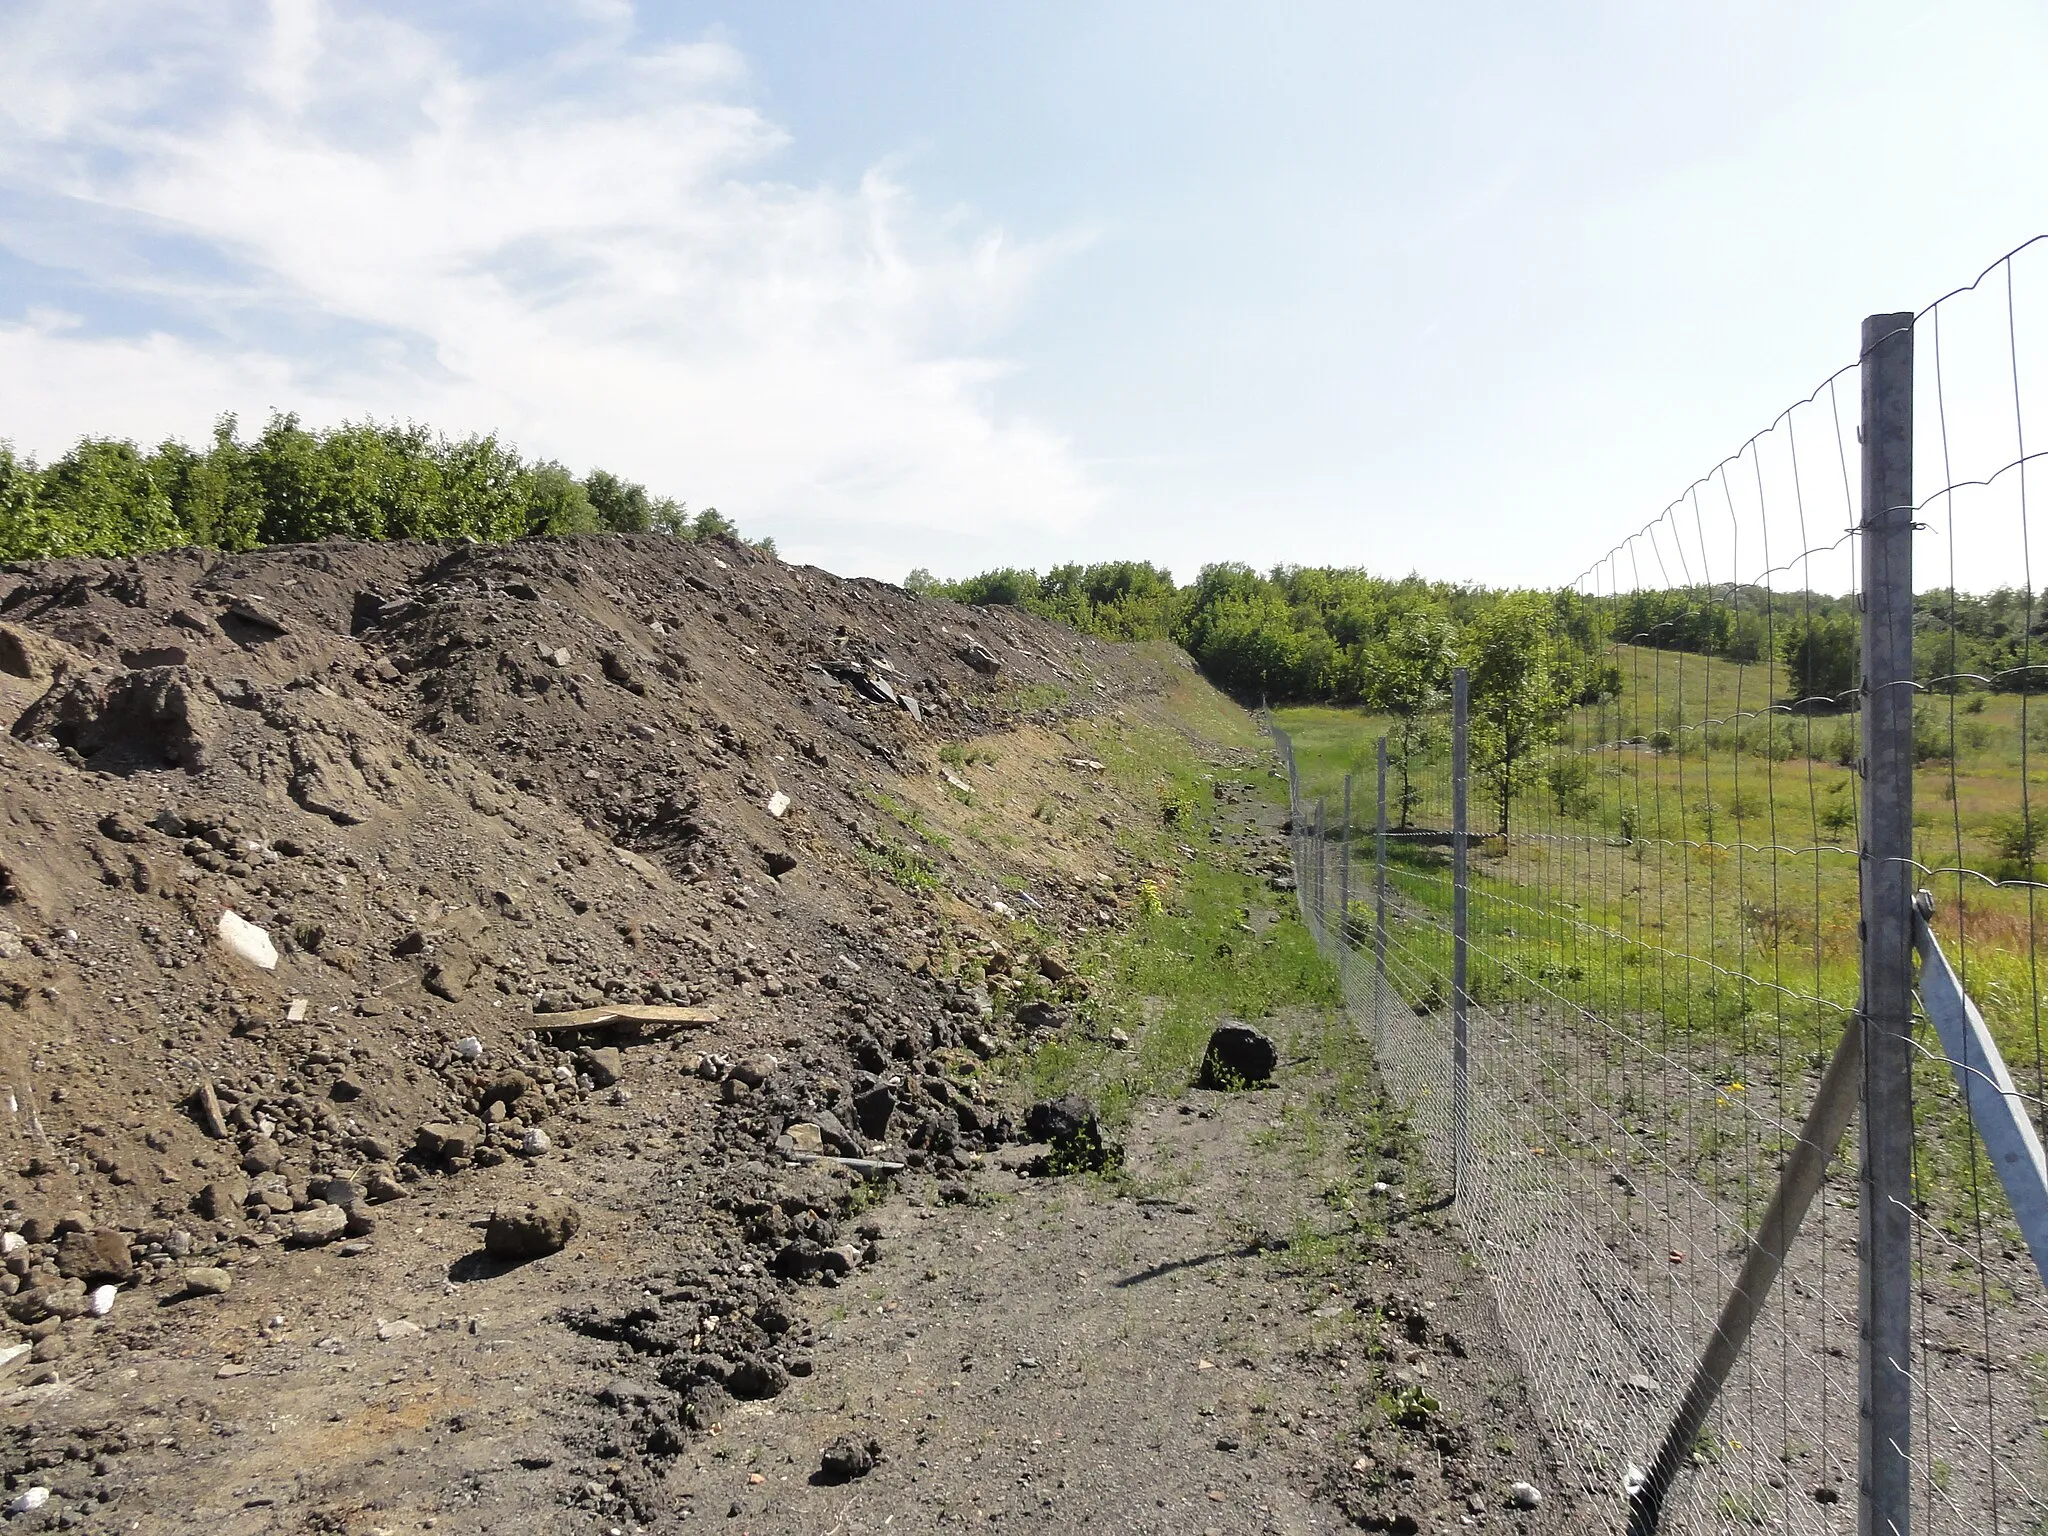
x: 1884, y: 1462
x: 1461, y: 1051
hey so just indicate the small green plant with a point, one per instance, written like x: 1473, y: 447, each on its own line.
x: 2018, y: 839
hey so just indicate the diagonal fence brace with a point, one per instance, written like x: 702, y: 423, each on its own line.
x: 1833, y: 1107
x: 1996, y: 1108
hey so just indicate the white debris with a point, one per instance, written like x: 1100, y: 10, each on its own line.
x: 11, y: 1243
x: 956, y: 781
x: 295, y: 1011
x: 399, y: 1328
x: 1001, y: 909
x: 247, y: 942
x: 1632, y: 1480
x: 12, y: 1353
x: 101, y: 1301
x: 777, y: 804
x: 469, y: 1048
x: 28, y: 1501
x: 1524, y: 1495
x: 534, y: 1143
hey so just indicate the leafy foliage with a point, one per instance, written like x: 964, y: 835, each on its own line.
x: 293, y: 484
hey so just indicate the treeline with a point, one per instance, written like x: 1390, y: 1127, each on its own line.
x: 1312, y: 634
x: 292, y: 483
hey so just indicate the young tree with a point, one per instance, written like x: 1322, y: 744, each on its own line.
x: 21, y: 531
x: 1820, y: 654
x: 556, y: 502
x: 1519, y: 692
x: 100, y: 499
x: 710, y: 523
x: 622, y: 506
x: 1406, y: 670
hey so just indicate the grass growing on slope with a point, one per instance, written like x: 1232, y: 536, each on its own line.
x: 1207, y: 942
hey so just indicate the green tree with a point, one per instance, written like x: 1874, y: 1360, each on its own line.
x: 21, y: 530
x: 622, y: 506
x: 1821, y: 655
x: 1519, y: 692
x: 710, y: 523
x: 100, y: 499
x: 556, y: 501
x: 481, y: 490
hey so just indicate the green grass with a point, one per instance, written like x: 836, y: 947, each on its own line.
x: 1693, y: 883
x: 1185, y: 961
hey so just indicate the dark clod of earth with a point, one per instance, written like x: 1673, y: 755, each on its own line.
x: 1237, y: 1056
x: 849, y: 1457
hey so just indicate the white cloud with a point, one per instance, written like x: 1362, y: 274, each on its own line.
x: 585, y: 253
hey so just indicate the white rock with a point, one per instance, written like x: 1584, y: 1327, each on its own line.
x: 534, y: 1143
x: 102, y: 1300
x: 1524, y: 1495
x: 14, y: 1352
x: 295, y: 1011
x: 399, y: 1328
x: 28, y: 1501
x: 469, y: 1048
x: 247, y: 942
x: 11, y: 1243
x: 777, y: 804
x: 1632, y: 1481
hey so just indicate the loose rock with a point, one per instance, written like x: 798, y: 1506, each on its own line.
x: 848, y: 1458
x: 533, y: 1231
x: 1238, y: 1056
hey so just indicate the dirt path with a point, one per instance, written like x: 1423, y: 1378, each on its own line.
x: 1203, y: 1344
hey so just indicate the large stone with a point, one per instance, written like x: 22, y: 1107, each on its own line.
x: 532, y: 1231
x: 1070, y: 1127
x: 222, y: 1199
x: 321, y: 1225
x: 1059, y: 1120
x: 441, y: 1141
x: 835, y: 1135
x: 1238, y: 1056
x: 208, y: 1281
x: 262, y: 1155
x: 603, y: 1063
x: 847, y: 1458
x: 873, y: 1109
x: 98, y: 1258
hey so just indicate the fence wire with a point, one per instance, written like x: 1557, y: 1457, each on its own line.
x: 1663, y: 938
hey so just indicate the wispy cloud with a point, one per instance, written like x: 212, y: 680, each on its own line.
x: 322, y: 209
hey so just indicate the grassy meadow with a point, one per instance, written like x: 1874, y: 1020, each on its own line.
x: 1679, y: 888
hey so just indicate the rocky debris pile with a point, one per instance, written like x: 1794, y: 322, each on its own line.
x: 460, y: 801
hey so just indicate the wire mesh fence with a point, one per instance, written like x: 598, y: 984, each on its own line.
x: 1677, y: 892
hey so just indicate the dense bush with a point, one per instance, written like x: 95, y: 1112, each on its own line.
x: 293, y: 484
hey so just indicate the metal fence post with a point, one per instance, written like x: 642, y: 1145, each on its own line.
x: 1379, y: 927
x: 1344, y: 898
x: 1461, y: 1060
x: 1322, y: 877
x: 1885, y: 1380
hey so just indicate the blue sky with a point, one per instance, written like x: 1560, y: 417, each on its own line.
x: 1466, y: 289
